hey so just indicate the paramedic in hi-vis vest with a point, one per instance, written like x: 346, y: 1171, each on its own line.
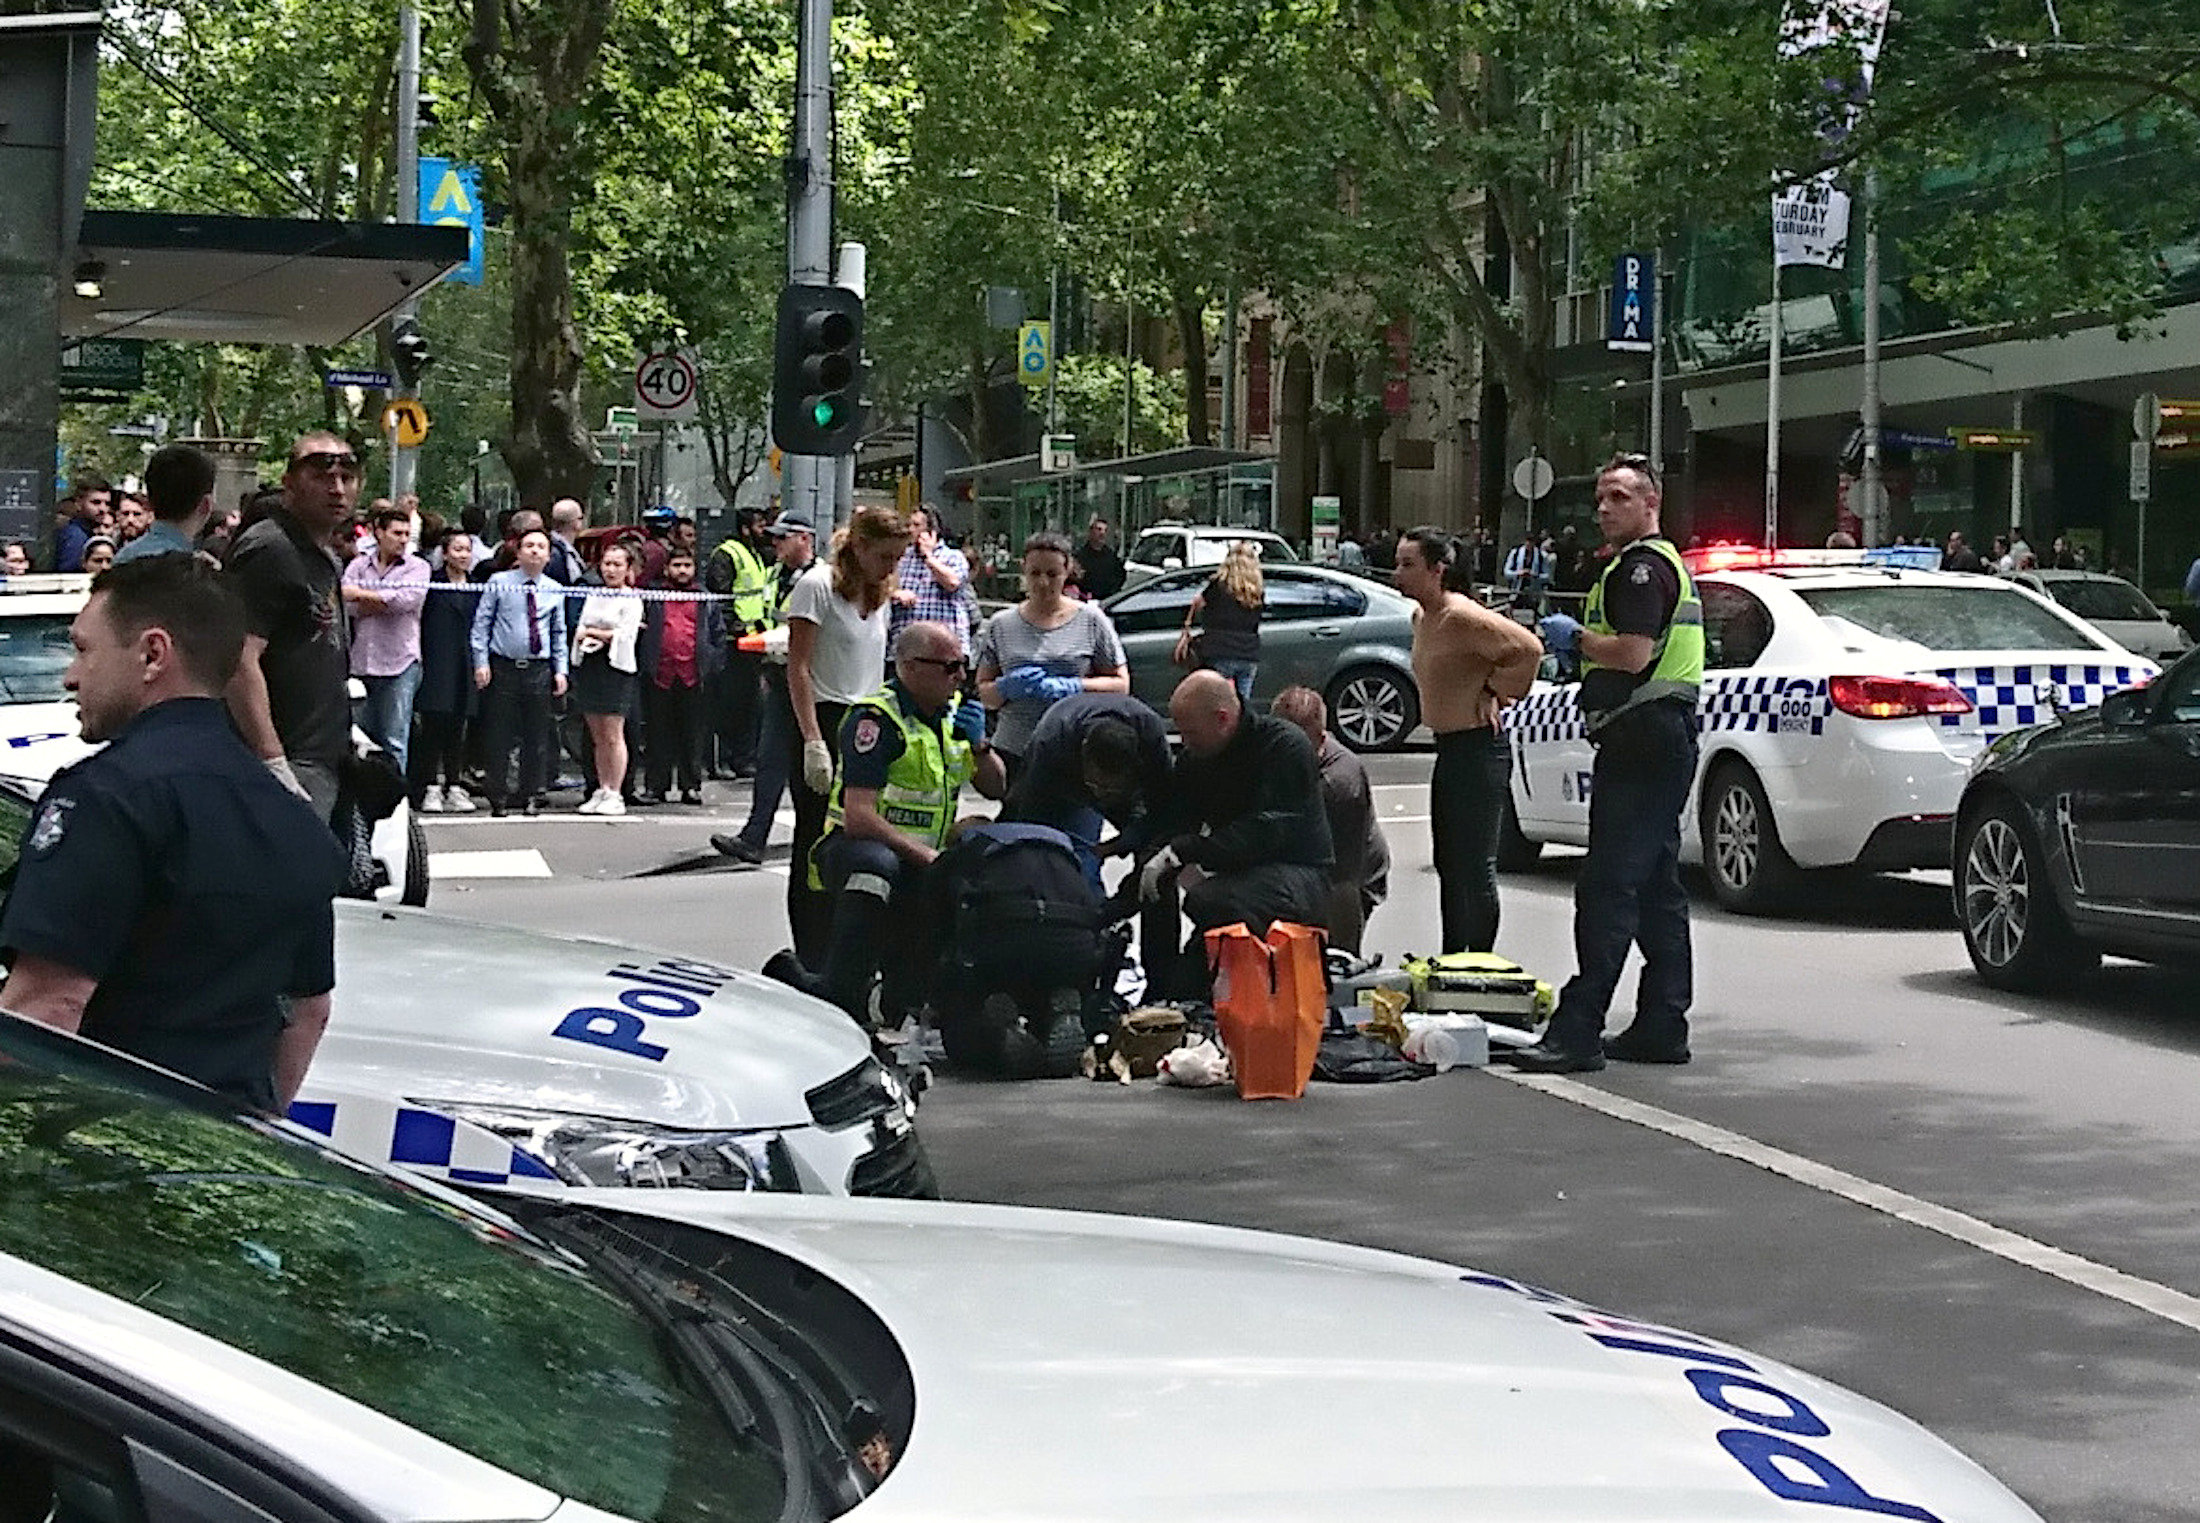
x: 1642, y: 662
x: 740, y: 570
x: 905, y: 753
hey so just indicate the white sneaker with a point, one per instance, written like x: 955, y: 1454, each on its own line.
x: 593, y: 804
x: 457, y: 800
x: 612, y: 803
x: 431, y: 801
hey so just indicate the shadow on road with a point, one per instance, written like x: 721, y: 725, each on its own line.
x: 2130, y: 1000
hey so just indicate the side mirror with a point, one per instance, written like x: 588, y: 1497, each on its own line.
x: 1172, y: 563
x: 2125, y: 710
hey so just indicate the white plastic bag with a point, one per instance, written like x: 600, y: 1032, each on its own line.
x: 1198, y: 1066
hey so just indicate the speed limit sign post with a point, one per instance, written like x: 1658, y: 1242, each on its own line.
x: 664, y: 387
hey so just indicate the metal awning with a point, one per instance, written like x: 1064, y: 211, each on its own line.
x: 250, y: 280
x: 1180, y: 461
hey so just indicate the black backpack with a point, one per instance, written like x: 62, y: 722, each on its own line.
x: 1021, y: 911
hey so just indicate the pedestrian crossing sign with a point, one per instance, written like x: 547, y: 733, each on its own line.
x: 450, y: 196
x: 1035, y: 354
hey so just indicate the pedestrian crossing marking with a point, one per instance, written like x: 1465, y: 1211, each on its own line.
x: 523, y: 863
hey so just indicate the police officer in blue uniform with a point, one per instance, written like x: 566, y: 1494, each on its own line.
x: 172, y: 898
x: 1641, y: 646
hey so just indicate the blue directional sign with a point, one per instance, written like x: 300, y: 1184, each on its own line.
x: 369, y: 380
x: 1634, y: 304
x: 450, y: 196
x: 1902, y: 438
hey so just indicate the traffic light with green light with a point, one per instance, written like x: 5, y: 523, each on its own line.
x: 817, y: 371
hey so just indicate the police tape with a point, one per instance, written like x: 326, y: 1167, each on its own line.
x: 569, y: 594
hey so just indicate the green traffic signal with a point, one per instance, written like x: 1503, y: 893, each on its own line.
x: 825, y: 412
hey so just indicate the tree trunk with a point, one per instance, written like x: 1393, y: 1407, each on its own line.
x: 536, y: 90
x: 1191, y: 327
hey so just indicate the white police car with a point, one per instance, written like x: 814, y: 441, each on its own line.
x: 478, y: 1054
x: 202, y: 1318
x: 1843, y: 702
x: 39, y: 733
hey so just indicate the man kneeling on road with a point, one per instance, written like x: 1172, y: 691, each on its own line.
x: 1095, y: 759
x: 905, y: 753
x: 1247, y: 837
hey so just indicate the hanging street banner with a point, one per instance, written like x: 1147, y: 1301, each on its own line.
x: 1035, y: 354
x: 450, y: 196
x: 1810, y: 219
x: 1633, y: 317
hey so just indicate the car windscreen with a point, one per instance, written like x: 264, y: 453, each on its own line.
x: 1208, y: 550
x: 438, y: 1317
x: 34, y: 652
x: 1991, y: 616
x: 2105, y: 599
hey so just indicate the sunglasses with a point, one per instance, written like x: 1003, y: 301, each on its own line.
x: 958, y: 664
x: 342, y: 463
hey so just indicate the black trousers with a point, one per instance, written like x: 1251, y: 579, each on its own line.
x: 739, y: 707
x: 672, y: 720
x: 1177, y: 968
x: 516, y: 708
x: 1629, y: 891
x: 438, y: 756
x: 1466, y: 800
x: 810, y: 910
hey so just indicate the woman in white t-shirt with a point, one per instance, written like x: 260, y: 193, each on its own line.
x: 836, y: 656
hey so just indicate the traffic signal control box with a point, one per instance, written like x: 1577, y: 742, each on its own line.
x: 817, y: 371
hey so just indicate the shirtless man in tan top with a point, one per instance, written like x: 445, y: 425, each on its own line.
x: 1470, y: 663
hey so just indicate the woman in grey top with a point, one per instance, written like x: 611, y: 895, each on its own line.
x: 1046, y: 648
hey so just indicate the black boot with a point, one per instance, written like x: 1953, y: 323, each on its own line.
x: 852, y: 954
x: 786, y: 968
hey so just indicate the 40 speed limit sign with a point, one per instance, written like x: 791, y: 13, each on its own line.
x: 664, y: 386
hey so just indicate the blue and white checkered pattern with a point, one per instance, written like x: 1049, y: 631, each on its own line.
x: 2009, y: 698
x: 1547, y: 714
x: 1769, y: 705
x: 426, y: 1142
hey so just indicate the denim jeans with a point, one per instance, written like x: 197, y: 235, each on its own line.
x: 387, y: 714
x: 1629, y: 891
x: 1241, y: 674
x: 1466, y: 800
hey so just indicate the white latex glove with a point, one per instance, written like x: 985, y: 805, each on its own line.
x: 1155, y: 873
x: 817, y: 766
x: 280, y: 766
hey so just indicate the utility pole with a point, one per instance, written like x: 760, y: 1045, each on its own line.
x: 1772, y: 418
x: 1872, y: 484
x: 1657, y: 362
x: 805, y: 481
x: 404, y: 463
x: 1054, y: 313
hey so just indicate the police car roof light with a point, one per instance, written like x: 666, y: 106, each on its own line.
x: 1895, y: 697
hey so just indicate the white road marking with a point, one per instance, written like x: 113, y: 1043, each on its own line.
x: 2147, y: 1296
x: 524, y: 863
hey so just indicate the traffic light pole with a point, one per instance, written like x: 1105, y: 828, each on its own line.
x: 404, y: 463
x: 806, y: 481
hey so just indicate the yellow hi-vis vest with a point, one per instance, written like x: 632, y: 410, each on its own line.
x: 752, y: 587
x: 922, y: 785
x: 1676, y: 665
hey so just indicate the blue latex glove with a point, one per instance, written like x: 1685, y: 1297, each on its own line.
x: 969, y: 721
x: 1055, y: 689
x: 1561, y: 633
x: 1020, y: 682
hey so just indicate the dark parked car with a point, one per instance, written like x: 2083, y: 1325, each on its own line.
x: 2083, y: 836
x: 1347, y: 637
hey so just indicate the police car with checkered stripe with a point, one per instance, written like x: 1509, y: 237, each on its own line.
x: 203, y: 1320
x: 484, y: 1055
x: 1845, y: 696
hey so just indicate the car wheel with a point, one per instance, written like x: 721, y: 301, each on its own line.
x: 1515, y: 852
x: 416, y: 864
x: 1373, y: 709
x: 2014, y: 930
x: 1750, y: 871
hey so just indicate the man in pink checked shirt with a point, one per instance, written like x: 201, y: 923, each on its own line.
x: 384, y: 591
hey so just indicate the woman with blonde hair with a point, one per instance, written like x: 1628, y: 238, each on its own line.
x: 836, y: 656
x: 1227, y: 611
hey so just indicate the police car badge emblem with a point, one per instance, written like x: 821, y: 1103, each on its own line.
x: 53, y: 820
x: 866, y: 735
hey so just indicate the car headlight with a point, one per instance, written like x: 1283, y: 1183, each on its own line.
x: 597, y: 1150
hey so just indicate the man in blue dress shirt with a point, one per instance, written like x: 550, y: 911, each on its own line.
x: 519, y: 663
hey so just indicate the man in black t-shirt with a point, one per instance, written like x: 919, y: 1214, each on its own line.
x: 1099, y: 568
x: 170, y: 895
x: 291, y: 696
